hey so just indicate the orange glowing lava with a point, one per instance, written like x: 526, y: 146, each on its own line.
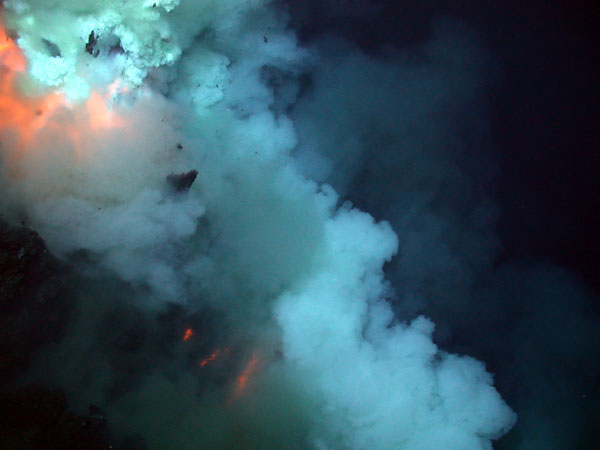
x: 100, y: 114
x: 24, y: 116
x: 249, y: 371
x: 10, y: 55
x: 210, y: 358
x: 15, y: 112
x: 187, y: 335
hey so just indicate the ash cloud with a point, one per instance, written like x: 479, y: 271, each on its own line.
x: 407, y: 139
x: 262, y: 256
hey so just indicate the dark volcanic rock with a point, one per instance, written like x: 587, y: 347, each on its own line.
x: 31, y: 408
x: 31, y: 310
x: 37, y: 418
x: 52, y: 48
x: 34, y: 312
x: 182, y: 182
x: 90, y: 46
x: 27, y: 269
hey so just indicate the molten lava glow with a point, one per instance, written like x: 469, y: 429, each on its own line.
x: 17, y: 112
x: 101, y: 117
x: 11, y: 56
x: 117, y: 88
x: 249, y: 371
x: 27, y: 116
x: 187, y: 335
x: 210, y: 358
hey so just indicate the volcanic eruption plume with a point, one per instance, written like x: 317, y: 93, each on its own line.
x: 103, y: 104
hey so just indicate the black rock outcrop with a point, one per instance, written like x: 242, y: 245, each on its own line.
x: 181, y: 182
x: 32, y: 312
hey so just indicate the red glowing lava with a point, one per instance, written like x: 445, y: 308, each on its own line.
x: 10, y: 55
x: 247, y: 373
x: 187, y: 335
x: 16, y: 111
x: 212, y: 357
x: 24, y: 116
x: 100, y: 114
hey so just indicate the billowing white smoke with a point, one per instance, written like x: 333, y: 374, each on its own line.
x: 253, y: 236
x: 420, y: 161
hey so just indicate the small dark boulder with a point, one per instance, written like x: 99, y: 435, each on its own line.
x: 52, y: 48
x: 91, y: 44
x: 181, y: 182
